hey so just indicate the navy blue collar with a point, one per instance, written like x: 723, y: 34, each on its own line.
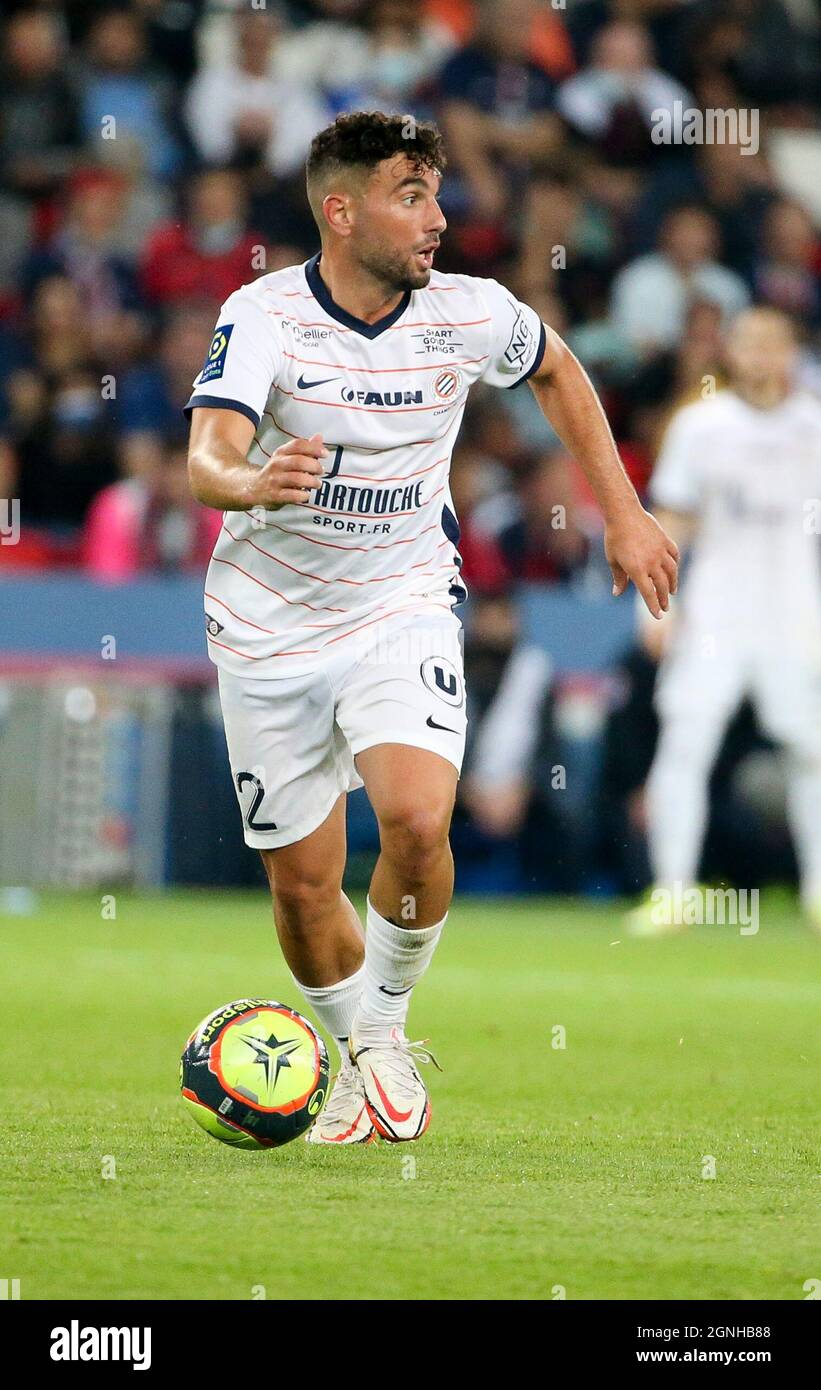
x: 323, y: 296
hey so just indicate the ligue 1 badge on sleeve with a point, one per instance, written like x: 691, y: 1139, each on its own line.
x: 215, y: 361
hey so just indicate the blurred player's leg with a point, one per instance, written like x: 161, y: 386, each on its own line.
x: 696, y: 698
x: 677, y: 795
x: 789, y: 703
x: 804, y: 807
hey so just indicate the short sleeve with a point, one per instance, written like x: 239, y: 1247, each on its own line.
x: 676, y: 482
x: 517, y: 337
x: 243, y: 360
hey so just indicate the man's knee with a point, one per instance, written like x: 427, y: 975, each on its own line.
x: 304, y: 893
x: 414, y: 835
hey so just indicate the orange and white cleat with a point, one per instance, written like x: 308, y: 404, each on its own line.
x: 395, y: 1093
x: 345, y: 1118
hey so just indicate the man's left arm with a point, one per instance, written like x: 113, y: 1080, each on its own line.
x: 636, y: 546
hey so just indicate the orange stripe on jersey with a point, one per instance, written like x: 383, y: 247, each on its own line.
x: 410, y: 444
x: 368, y: 409
x: 379, y: 619
x: 422, y: 323
x: 307, y: 323
x: 398, y: 478
x: 314, y: 651
x: 321, y: 579
x: 269, y: 630
x: 298, y: 603
x: 379, y: 371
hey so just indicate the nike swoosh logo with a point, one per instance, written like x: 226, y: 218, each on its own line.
x: 398, y: 1115
x: 304, y: 385
x: 432, y: 724
x: 395, y: 993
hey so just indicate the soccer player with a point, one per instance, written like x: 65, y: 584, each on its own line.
x: 739, y: 478
x: 323, y: 424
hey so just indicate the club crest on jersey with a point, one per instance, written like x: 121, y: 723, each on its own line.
x: 383, y: 398
x: 447, y: 384
x: 212, y: 627
x: 215, y: 361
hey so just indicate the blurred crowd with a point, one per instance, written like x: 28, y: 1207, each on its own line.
x: 151, y: 160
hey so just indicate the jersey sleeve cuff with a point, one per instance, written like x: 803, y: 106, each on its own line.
x: 221, y: 403
x: 535, y: 364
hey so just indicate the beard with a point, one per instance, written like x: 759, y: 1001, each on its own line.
x: 397, y: 272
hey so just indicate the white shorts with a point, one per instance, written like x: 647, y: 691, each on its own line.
x: 292, y: 739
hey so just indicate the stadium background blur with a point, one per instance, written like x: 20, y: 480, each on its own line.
x: 151, y: 160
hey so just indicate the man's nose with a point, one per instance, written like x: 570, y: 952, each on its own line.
x: 440, y: 221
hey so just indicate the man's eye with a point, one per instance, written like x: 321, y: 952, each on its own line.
x: 411, y: 198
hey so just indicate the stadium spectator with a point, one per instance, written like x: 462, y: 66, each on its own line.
x: 149, y: 392
x: 735, y: 187
x: 786, y: 273
x: 652, y: 294
x: 40, y: 132
x: 84, y: 250
x: 497, y: 109
x: 612, y: 103
x: 539, y: 535
x: 387, y: 65
x: 124, y: 98
x: 59, y: 422
x: 241, y: 110
x: 148, y: 521
x: 755, y: 42
x: 210, y: 253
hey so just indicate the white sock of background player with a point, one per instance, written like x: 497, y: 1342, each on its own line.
x: 678, y: 802
x: 804, y: 809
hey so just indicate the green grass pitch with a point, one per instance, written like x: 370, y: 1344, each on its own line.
x: 545, y: 1168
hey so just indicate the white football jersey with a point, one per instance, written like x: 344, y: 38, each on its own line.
x: 380, y: 536
x: 753, y: 480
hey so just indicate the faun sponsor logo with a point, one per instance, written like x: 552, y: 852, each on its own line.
x: 76, y: 1343
x: 383, y: 398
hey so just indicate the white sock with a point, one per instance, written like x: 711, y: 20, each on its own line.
x: 804, y: 808
x: 396, y: 958
x: 335, y: 1006
x: 677, y: 799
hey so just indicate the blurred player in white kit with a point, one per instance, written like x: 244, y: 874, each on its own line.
x: 739, y: 481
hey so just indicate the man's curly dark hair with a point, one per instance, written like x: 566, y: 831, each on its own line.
x: 359, y: 140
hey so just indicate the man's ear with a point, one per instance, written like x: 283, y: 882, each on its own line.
x: 337, y: 210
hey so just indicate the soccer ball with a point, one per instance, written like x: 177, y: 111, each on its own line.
x: 254, y: 1074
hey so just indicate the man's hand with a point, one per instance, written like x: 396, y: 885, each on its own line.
x: 222, y: 477
x: 637, y: 548
x: 291, y: 474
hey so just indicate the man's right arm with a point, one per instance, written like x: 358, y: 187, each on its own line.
x: 220, y: 475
